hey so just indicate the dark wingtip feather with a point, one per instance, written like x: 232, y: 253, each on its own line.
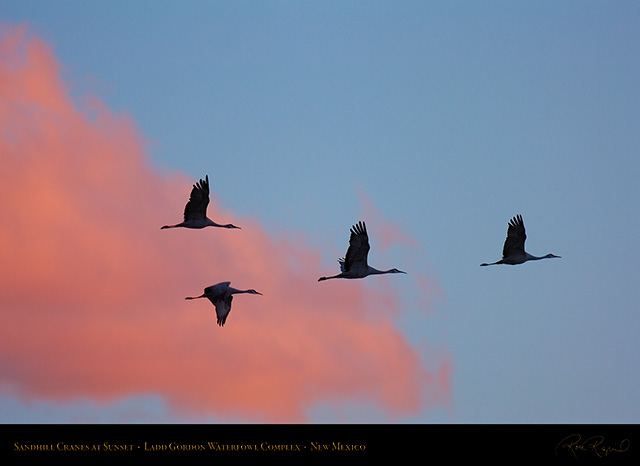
x: 359, y: 228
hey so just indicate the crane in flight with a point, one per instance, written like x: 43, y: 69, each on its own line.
x: 195, y: 212
x: 513, y: 252
x: 354, y: 264
x: 221, y: 296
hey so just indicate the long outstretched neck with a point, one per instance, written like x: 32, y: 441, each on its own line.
x: 373, y: 271
x: 196, y: 297
x: 211, y: 223
x: 235, y: 291
x: 171, y: 226
x: 329, y: 278
x: 535, y: 258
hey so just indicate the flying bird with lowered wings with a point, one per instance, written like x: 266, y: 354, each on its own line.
x: 195, y: 212
x: 513, y: 252
x: 354, y: 264
x: 221, y: 296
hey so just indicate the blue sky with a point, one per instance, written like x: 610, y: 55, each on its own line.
x: 450, y: 118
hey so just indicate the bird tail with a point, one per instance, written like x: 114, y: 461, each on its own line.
x: 321, y: 279
x: 492, y: 263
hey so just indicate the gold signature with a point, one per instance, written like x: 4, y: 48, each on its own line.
x: 595, y: 444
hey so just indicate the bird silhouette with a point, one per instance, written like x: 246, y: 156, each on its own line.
x: 221, y: 296
x: 354, y: 264
x: 513, y: 252
x: 195, y: 212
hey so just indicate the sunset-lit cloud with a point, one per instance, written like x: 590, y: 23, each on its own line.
x: 92, y: 290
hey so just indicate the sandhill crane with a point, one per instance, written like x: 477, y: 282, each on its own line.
x: 354, y: 264
x: 221, y: 296
x: 195, y: 212
x: 513, y: 251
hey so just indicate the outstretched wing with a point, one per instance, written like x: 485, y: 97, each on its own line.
x: 217, y: 290
x: 341, y: 262
x: 358, y: 248
x: 198, y: 201
x: 514, y: 244
x: 219, y: 297
x: 223, y: 307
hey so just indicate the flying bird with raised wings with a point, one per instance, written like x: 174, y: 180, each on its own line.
x: 195, y: 212
x: 354, y: 264
x: 513, y: 252
x: 221, y: 296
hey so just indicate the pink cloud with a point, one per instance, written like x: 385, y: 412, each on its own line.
x: 92, y: 291
x: 388, y: 234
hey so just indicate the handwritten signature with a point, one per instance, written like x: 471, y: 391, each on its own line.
x: 595, y: 444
